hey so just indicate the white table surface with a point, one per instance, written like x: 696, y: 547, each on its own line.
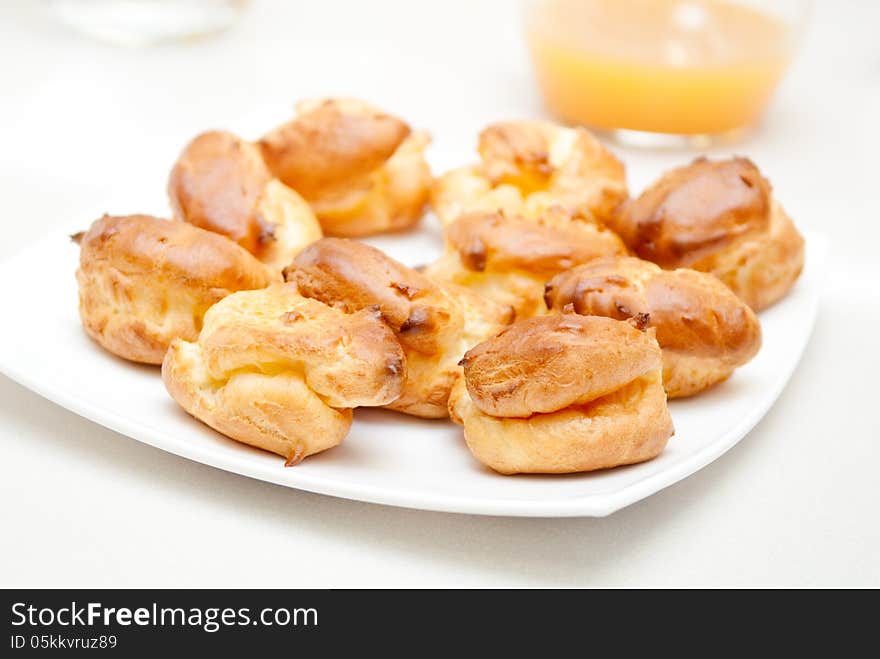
x: 795, y: 503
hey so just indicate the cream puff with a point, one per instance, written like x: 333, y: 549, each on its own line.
x: 562, y: 394
x: 435, y: 323
x: 718, y: 217
x: 527, y: 167
x: 220, y: 183
x: 144, y: 281
x: 703, y: 328
x: 362, y: 170
x: 281, y: 372
x: 509, y: 259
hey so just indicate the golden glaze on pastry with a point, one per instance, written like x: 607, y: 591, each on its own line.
x: 435, y: 323
x: 563, y: 393
x: 527, y: 167
x: 362, y: 170
x: 144, y: 281
x: 221, y: 183
x: 509, y: 259
x: 704, y: 330
x: 718, y: 217
x: 281, y: 372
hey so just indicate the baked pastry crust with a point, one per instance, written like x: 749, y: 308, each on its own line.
x: 562, y: 394
x: 509, y: 259
x: 282, y: 372
x: 220, y: 183
x: 718, y: 217
x: 435, y: 323
x: 144, y: 281
x: 363, y: 171
x: 527, y: 167
x: 703, y: 328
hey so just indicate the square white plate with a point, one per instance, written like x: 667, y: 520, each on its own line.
x: 388, y: 458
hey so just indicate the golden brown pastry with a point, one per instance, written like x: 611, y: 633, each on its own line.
x: 221, y: 183
x: 563, y: 393
x: 508, y: 259
x: 281, y: 372
x: 436, y: 323
x: 144, y: 281
x: 704, y: 330
x: 718, y: 217
x: 362, y: 170
x: 529, y: 166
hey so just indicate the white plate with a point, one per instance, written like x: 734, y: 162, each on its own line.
x: 387, y: 458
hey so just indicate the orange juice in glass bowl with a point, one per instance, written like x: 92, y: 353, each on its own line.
x: 660, y: 72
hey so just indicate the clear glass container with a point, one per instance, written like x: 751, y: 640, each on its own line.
x: 144, y: 22
x: 662, y: 72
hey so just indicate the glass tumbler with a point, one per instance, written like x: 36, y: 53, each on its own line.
x: 662, y: 72
x: 144, y: 22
